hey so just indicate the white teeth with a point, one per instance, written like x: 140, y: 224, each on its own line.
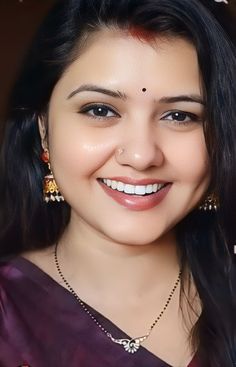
x: 129, y: 189
x: 132, y: 189
x: 120, y: 186
x: 108, y: 182
x: 149, y: 189
x: 155, y: 187
x: 114, y: 185
x: 140, y: 190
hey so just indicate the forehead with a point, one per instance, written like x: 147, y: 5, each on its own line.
x: 114, y: 57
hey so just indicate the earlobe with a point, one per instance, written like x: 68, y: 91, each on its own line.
x: 43, y: 132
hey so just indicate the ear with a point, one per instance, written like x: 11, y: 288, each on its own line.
x: 43, y: 132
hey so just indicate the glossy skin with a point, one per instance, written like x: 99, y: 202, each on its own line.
x: 124, y: 262
x: 83, y: 145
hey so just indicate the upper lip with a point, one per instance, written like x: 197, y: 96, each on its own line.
x: 132, y: 181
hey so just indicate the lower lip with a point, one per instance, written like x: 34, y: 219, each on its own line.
x: 137, y: 202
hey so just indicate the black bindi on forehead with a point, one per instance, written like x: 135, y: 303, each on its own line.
x: 144, y: 90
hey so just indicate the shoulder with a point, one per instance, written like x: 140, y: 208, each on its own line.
x: 24, y: 291
x: 7, y: 270
x: 43, y: 259
x: 9, y: 275
x: 16, y: 281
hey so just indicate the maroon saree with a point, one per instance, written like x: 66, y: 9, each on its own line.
x: 42, y: 325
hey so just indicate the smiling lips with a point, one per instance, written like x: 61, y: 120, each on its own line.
x: 135, y: 194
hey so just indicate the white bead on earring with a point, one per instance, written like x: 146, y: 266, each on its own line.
x: 211, y: 203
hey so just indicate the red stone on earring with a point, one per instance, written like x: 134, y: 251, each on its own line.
x: 45, y: 156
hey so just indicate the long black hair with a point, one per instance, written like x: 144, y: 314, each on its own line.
x: 205, y: 240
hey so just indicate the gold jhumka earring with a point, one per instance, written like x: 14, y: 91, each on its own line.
x: 51, y: 192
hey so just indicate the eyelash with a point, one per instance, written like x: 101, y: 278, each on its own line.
x: 191, y: 117
x: 85, y: 110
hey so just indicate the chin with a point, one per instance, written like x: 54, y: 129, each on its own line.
x: 135, y: 238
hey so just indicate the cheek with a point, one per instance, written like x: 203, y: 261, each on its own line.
x: 188, y: 156
x: 77, y: 151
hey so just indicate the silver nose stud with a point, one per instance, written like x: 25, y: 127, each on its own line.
x: 120, y: 151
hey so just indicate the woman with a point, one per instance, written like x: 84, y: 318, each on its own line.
x: 118, y: 190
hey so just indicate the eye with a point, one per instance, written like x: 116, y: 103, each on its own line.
x: 99, y: 111
x: 181, y: 117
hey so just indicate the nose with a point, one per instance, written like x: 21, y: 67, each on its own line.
x: 139, y: 148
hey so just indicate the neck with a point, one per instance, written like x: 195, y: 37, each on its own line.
x: 98, y: 265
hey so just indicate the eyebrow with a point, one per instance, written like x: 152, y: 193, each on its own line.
x: 95, y: 88
x: 193, y: 98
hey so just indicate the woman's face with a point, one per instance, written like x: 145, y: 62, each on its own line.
x: 131, y: 112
